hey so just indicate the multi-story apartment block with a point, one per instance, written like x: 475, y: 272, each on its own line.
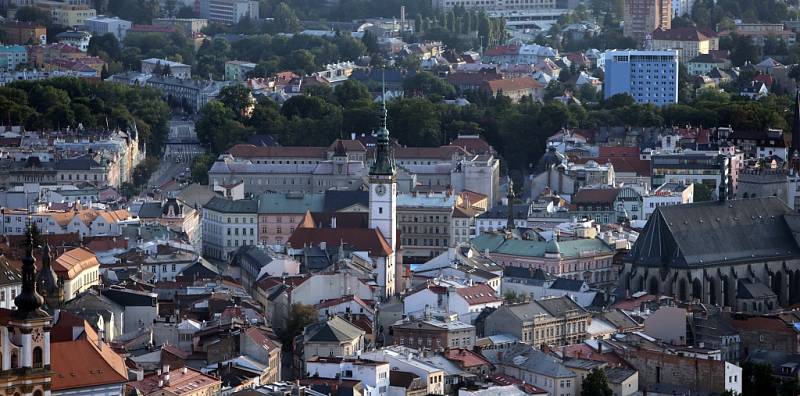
x: 589, y: 260
x: 760, y: 32
x: 424, y: 222
x: 279, y: 214
x: 647, y: 76
x: 433, y: 334
x: 89, y: 222
x: 12, y: 57
x: 170, y: 68
x: 25, y: 33
x: 189, y: 26
x: 228, y: 11
x: 373, y: 375
x: 495, y: 5
x: 100, y: 25
x: 65, y: 14
x: 237, y: 70
x: 76, y: 38
x: 641, y: 17
x: 689, y: 41
x: 228, y: 224
x: 697, y: 167
x: 553, y: 321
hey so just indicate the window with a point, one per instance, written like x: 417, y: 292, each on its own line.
x: 37, y: 357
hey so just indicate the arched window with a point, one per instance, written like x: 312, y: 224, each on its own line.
x: 37, y: 357
x: 14, y: 360
x: 37, y: 393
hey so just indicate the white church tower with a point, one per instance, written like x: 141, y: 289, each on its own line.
x: 383, y: 203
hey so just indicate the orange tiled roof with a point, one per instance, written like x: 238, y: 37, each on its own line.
x: 99, y: 365
x: 73, y: 262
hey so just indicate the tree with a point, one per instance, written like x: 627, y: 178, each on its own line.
x: 202, y: 163
x: 285, y: 20
x: 300, y: 316
x: 425, y: 83
x: 596, y: 384
x: 218, y: 128
x: 237, y: 98
x: 34, y: 14
x: 105, y: 46
x: 743, y: 50
x: 370, y: 41
x: 351, y: 92
x: 186, y: 12
x: 702, y: 193
x: 757, y: 379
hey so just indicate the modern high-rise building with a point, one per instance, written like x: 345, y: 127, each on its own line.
x: 228, y: 11
x: 647, y: 76
x: 643, y: 16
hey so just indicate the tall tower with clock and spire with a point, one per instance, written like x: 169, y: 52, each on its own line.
x: 383, y: 201
x: 25, y: 340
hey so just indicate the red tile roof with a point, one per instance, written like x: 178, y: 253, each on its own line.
x: 99, y: 364
x: 583, y: 351
x: 466, y: 358
x: 259, y: 336
x: 621, y: 164
x: 505, y: 379
x: 623, y: 151
x: 594, y: 195
x: 478, y: 294
x: 762, y: 323
x: 681, y: 34
x: 182, y: 380
x: 501, y: 50
x: 474, y: 145
x: 367, y: 239
x: 343, y: 299
x: 511, y: 85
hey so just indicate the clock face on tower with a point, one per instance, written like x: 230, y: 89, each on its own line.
x: 380, y: 189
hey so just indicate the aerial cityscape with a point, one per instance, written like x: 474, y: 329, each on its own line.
x: 400, y: 197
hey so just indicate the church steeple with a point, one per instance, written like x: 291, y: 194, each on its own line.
x: 29, y: 302
x: 510, y: 219
x: 47, y: 282
x: 384, y: 158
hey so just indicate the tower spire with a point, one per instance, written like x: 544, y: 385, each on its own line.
x: 384, y: 158
x: 29, y: 301
x: 510, y: 220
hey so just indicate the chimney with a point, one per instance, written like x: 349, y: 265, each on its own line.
x: 323, y: 245
x: 160, y: 383
x: 333, y: 221
x: 184, y: 370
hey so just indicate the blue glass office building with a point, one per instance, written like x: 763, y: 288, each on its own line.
x: 648, y: 76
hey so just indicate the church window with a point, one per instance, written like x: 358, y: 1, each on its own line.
x: 37, y: 357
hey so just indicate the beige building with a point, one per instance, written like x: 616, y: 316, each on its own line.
x: 334, y: 337
x: 690, y: 42
x: 424, y: 221
x: 642, y: 17
x: 551, y: 321
x: 65, y: 14
x: 78, y: 269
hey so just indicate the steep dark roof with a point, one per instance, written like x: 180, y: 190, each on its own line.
x: 225, y: 205
x: 150, y: 210
x: 338, y: 200
x: 559, y: 306
x: 753, y: 290
x: 696, y: 235
x: 334, y: 330
x: 567, y: 284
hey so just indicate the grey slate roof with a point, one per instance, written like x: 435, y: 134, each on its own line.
x: 559, y: 306
x: 150, y: 210
x: 336, y: 200
x: 525, y: 312
x: 616, y: 375
x: 335, y: 329
x: 224, y: 205
x: 567, y: 284
x: 749, y: 290
x: 702, y: 234
x: 530, y: 359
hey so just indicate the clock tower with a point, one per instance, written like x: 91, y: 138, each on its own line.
x: 383, y: 201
